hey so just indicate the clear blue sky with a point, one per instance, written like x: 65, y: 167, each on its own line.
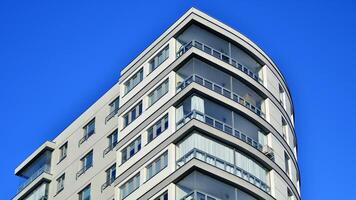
x: 58, y: 57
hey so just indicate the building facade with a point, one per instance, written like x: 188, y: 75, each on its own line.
x: 202, y: 113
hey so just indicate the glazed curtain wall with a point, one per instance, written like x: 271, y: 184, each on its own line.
x: 198, y: 67
x: 196, y: 33
x: 221, y: 151
x: 220, y: 113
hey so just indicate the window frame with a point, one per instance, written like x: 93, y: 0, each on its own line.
x: 126, y: 151
x: 153, y: 64
x: 111, y: 136
x: 137, y: 109
x: 109, y: 174
x: 87, y: 132
x: 81, y: 193
x: 154, y: 93
x: 63, y: 148
x: 84, y: 160
x: 162, y: 196
x: 163, y: 163
x: 131, y: 181
x: 115, y: 104
x: 60, y: 183
x: 153, y: 129
x: 140, y: 74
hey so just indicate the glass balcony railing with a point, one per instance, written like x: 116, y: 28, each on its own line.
x: 195, y: 194
x: 39, y: 172
x: 221, y: 90
x: 224, y: 165
x: 268, y: 151
x: 217, y: 54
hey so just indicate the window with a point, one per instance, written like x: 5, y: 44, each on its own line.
x: 157, y: 165
x: 130, y: 186
x: 63, y: 151
x: 131, y: 149
x: 286, y: 163
x: 158, y: 128
x: 281, y: 95
x: 133, y: 114
x: 114, y: 105
x: 158, y: 93
x: 133, y: 81
x: 159, y: 58
x: 111, y: 174
x: 164, y: 196
x: 85, y: 193
x: 89, y: 130
x: 60, y: 183
x: 284, y: 130
x: 113, y: 139
x: 290, y: 194
x: 87, y: 162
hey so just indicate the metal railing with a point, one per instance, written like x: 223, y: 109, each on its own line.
x: 111, y: 115
x: 109, y: 148
x: 195, y: 194
x: 83, y: 169
x: 218, y: 54
x: 41, y: 170
x: 224, y: 165
x: 194, y: 114
x: 221, y: 90
x: 107, y: 183
x: 85, y: 137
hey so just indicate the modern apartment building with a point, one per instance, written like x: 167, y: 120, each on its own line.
x: 202, y: 113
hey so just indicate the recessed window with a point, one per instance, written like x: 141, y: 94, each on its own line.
x: 89, y: 130
x: 159, y: 58
x: 86, y: 163
x: 163, y: 196
x: 290, y: 194
x: 114, y: 105
x: 157, y: 165
x: 60, y: 183
x: 281, y: 95
x: 63, y: 151
x: 286, y: 163
x: 133, y: 81
x: 285, y: 130
x: 131, y: 149
x: 133, y: 114
x: 85, y: 193
x: 156, y: 94
x: 158, y: 128
x: 130, y: 186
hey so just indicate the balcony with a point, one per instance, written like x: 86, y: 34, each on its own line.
x: 107, y: 184
x: 219, y: 55
x: 222, y: 164
x: 111, y: 115
x: 83, y: 170
x: 109, y: 148
x: 85, y: 137
x: 195, y: 194
x: 44, y: 169
x: 220, y: 90
x: 194, y: 114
